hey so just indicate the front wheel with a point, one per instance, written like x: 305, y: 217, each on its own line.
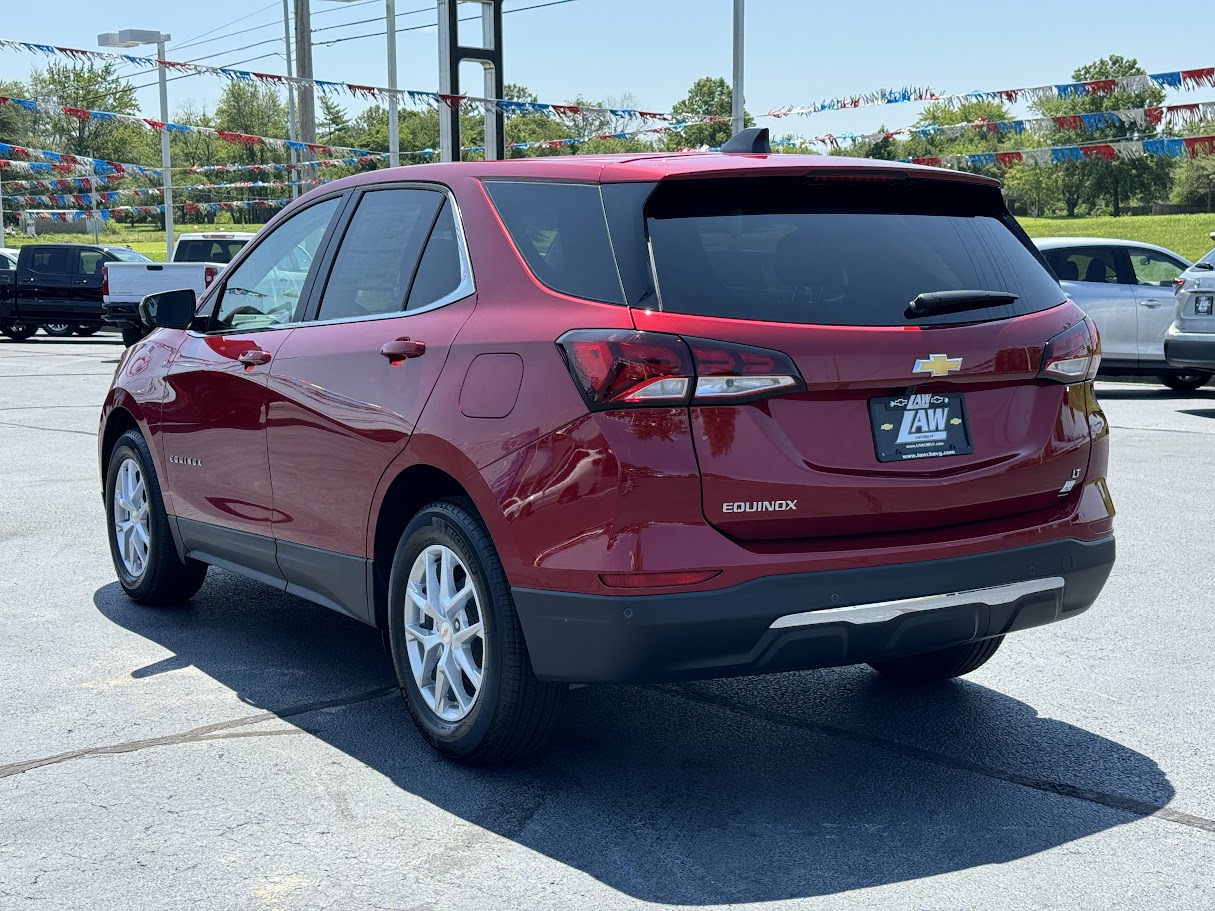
x: 141, y: 544
x: 457, y: 645
x: 1185, y: 382
x: 18, y: 332
x: 59, y: 330
x: 943, y: 664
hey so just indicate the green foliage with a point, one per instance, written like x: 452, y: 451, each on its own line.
x: 708, y: 97
x: 90, y: 87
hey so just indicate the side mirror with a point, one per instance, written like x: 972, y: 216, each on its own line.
x: 169, y: 309
x: 1206, y: 267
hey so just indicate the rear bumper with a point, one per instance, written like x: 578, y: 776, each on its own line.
x: 1193, y: 351
x: 809, y: 620
x: 121, y: 313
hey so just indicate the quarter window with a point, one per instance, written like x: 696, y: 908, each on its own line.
x: 379, y: 254
x: 264, y: 290
x: 441, y: 271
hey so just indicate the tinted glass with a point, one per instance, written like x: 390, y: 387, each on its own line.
x: 6, y: 264
x: 1084, y: 264
x: 129, y: 256
x: 52, y: 260
x: 265, y: 289
x: 441, y: 271
x: 1152, y: 268
x: 561, y: 232
x: 207, y: 251
x: 786, y: 250
x: 379, y: 253
x: 91, y: 262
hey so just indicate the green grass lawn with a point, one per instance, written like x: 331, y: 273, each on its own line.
x: 1184, y: 234
x: 142, y: 238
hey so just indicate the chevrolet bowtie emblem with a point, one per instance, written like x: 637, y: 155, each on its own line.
x: 938, y: 365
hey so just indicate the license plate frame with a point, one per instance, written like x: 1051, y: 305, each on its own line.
x: 917, y: 426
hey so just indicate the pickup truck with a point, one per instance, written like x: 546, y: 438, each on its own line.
x: 57, y: 284
x: 197, y: 260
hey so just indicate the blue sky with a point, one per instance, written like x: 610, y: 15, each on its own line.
x: 798, y: 51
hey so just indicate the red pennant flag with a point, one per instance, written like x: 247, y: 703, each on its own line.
x: 78, y: 113
x: 566, y: 110
x: 1102, y: 86
x: 929, y: 162
x: 1071, y: 122
x: 1099, y: 151
x: 157, y: 125
x: 1194, y: 78
x: 1008, y: 159
x: 1154, y: 115
x: 452, y: 101
x: 1199, y: 145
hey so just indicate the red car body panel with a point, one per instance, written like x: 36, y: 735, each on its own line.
x: 305, y: 449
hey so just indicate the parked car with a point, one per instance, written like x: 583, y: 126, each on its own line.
x: 608, y: 419
x: 209, y: 247
x: 1126, y: 287
x: 56, y: 284
x: 1190, y: 341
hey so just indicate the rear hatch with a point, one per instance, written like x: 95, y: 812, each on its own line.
x: 892, y: 420
x: 1195, y: 310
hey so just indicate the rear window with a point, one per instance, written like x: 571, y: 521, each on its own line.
x: 791, y: 250
x: 561, y: 233
x: 129, y: 256
x: 207, y: 251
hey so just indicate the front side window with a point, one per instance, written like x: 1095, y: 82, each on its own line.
x: 264, y: 290
x: 379, y: 254
x: 91, y: 262
x: 561, y: 232
x: 1152, y: 268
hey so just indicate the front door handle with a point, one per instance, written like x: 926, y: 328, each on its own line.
x: 254, y: 358
x: 1150, y: 304
x: 402, y: 349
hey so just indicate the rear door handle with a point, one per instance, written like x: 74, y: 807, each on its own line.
x: 1151, y: 304
x: 402, y: 349
x: 254, y: 358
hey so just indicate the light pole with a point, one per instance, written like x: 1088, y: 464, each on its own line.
x: 736, y: 110
x: 394, y: 131
x: 134, y: 37
x: 291, y: 132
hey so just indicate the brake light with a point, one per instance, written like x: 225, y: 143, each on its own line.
x: 1178, y: 282
x: 1073, y: 355
x: 846, y: 175
x: 105, y: 280
x: 621, y: 368
x: 209, y: 275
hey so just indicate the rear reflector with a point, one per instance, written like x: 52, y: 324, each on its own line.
x: 657, y: 580
x: 1074, y: 355
x: 621, y: 368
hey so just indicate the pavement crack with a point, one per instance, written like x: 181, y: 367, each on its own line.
x: 220, y: 730
x: 87, y: 433
x: 1130, y: 805
x: 1201, y: 433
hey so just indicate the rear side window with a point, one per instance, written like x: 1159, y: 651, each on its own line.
x: 561, y: 232
x: 1097, y: 265
x: 792, y: 251
x: 52, y: 261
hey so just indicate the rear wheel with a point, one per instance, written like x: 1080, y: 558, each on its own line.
x: 131, y: 334
x: 457, y: 645
x: 87, y: 330
x: 1185, y: 382
x: 58, y: 330
x: 18, y: 332
x: 944, y: 664
x: 141, y: 544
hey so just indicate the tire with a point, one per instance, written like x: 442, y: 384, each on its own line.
x: 87, y: 330
x: 510, y: 713
x: 1185, y: 382
x: 19, y: 332
x: 58, y: 330
x: 131, y: 334
x: 944, y: 664
x: 162, y: 577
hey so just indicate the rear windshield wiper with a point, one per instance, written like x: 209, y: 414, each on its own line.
x: 931, y: 303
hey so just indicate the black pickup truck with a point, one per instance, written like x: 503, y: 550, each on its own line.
x: 57, y: 285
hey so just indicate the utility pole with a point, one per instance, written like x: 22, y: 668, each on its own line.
x: 489, y: 55
x: 291, y: 131
x: 303, y: 53
x: 394, y: 129
x: 736, y: 111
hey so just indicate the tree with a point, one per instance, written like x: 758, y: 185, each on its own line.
x: 1036, y: 186
x: 708, y: 97
x: 334, y: 123
x: 254, y: 109
x: 1195, y: 181
x: 16, y: 123
x: 88, y: 87
x: 1095, y: 182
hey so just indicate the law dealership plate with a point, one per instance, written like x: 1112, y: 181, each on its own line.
x: 924, y: 425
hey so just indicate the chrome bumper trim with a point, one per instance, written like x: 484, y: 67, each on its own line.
x: 882, y: 611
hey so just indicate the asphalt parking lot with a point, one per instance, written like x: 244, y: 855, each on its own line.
x: 250, y: 751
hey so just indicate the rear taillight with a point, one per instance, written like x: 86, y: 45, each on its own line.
x: 623, y: 368
x: 1178, y: 282
x: 209, y: 275
x: 105, y: 280
x: 1073, y: 355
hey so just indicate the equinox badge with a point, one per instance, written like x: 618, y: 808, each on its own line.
x: 938, y: 365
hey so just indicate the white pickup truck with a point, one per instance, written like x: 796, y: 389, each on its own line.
x: 197, y: 261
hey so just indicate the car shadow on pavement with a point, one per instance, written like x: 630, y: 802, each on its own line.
x: 712, y: 793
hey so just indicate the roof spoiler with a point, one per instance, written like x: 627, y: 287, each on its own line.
x: 751, y: 141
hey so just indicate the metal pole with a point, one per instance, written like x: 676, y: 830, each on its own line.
x: 303, y: 66
x: 291, y: 132
x: 736, y: 111
x: 1, y: 207
x: 96, y: 219
x: 165, y: 159
x: 449, y: 80
x: 495, y: 123
x: 394, y: 131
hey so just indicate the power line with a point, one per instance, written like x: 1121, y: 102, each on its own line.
x: 414, y: 28
x: 412, y: 12
x: 195, y: 39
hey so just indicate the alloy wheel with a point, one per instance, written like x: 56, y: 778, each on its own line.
x: 444, y: 633
x: 132, y: 522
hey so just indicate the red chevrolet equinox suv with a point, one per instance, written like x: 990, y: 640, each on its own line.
x: 612, y: 419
